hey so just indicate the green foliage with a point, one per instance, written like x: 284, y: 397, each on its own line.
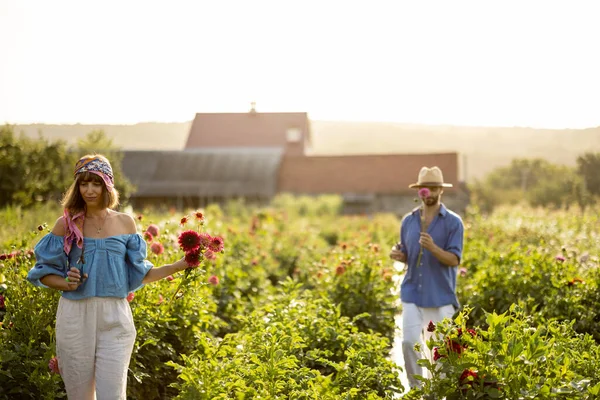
x: 32, y: 170
x: 18, y: 222
x: 361, y: 286
x: 166, y: 330
x: 327, y: 348
x: 538, y: 182
x: 547, y: 265
x: 299, y: 346
x: 512, y: 358
x: 323, y: 205
x: 26, y: 333
x: 588, y: 166
x: 298, y: 315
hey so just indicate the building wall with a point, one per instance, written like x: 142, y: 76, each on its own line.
x: 248, y: 130
x: 381, y: 174
x: 400, y: 204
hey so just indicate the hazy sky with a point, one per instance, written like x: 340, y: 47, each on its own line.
x: 528, y: 63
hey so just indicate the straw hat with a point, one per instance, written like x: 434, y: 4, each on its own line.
x: 431, y: 177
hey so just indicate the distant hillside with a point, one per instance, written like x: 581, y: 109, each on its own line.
x: 143, y: 136
x: 483, y: 148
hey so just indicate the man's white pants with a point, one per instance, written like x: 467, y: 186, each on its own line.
x: 414, y: 330
x: 94, y: 341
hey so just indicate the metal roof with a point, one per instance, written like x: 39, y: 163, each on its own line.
x: 227, y: 172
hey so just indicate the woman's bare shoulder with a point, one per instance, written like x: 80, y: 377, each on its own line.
x: 59, y: 227
x: 126, y: 222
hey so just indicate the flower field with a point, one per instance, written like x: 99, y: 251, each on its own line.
x: 301, y: 301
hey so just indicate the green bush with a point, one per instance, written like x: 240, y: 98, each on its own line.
x: 298, y: 347
x: 513, y: 358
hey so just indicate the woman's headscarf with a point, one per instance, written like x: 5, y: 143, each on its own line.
x: 74, y: 223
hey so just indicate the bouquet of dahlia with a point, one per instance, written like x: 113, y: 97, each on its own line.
x: 197, y: 246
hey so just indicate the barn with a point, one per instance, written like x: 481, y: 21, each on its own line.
x: 257, y: 155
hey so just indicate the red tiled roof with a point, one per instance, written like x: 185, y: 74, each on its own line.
x: 251, y: 129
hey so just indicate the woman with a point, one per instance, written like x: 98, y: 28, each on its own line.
x: 95, y: 256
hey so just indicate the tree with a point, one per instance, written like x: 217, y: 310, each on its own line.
x: 588, y: 165
x: 31, y: 170
x: 556, y: 189
x: 537, y: 181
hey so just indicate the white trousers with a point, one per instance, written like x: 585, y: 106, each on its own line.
x: 94, y: 341
x: 414, y: 331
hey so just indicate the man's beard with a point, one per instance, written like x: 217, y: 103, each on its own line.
x: 432, y: 201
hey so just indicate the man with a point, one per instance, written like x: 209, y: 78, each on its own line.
x: 428, y: 291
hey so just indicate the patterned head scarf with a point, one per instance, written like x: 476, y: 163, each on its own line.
x: 99, y: 166
x: 74, y: 223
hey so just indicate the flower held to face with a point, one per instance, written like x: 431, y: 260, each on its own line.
x: 424, y: 192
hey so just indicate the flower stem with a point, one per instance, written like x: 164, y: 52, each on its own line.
x: 185, y: 276
x: 422, y: 215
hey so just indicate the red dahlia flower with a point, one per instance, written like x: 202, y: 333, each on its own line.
x: 436, y: 354
x: 431, y: 327
x: 53, y: 365
x: 189, y: 241
x: 193, y: 258
x: 210, y: 255
x: 216, y: 244
x: 157, y: 248
x: 205, y: 240
x: 468, y: 377
x: 153, y: 229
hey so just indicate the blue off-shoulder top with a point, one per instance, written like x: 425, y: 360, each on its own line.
x: 115, y: 265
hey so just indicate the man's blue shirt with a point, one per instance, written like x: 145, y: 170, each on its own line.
x: 431, y: 284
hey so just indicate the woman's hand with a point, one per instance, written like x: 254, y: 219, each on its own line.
x: 181, y: 264
x: 74, y: 279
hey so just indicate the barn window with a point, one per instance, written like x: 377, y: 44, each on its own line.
x: 293, y: 134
